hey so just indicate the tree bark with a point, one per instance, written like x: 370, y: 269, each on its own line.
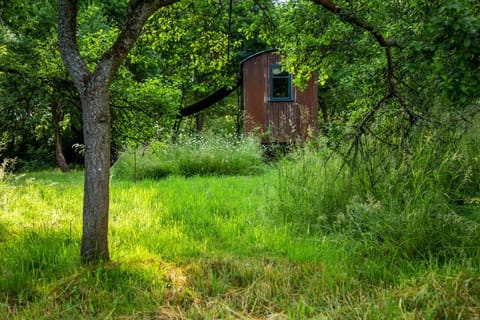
x: 96, y: 124
x: 95, y: 101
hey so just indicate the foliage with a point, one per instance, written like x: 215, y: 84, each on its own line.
x: 206, y: 155
x: 432, y: 70
x: 32, y: 79
x: 186, y: 52
x: 207, y: 44
x: 448, y: 47
x: 177, y: 62
x: 197, y: 47
x: 142, y: 110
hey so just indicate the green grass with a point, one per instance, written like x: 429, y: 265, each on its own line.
x: 290, y: 243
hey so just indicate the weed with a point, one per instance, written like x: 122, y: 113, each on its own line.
x: 6, y: 168
x: 412, y: 209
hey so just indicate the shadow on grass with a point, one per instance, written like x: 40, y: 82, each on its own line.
x: 41, y: 274
x: 33, y: 258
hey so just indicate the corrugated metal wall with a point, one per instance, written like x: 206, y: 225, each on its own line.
x: 278, y: 121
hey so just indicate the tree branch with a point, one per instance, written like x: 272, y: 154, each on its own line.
x: 137, y: 14
x: 388, y: 44
x: 361, y: 126
x: 67, y: 43
x: 354, y: 20
x: 11, y: 70
x: 413, y: 117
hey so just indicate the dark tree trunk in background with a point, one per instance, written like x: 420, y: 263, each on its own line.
x: 199, y: 122
x: 324, y: 108
x: 57, y: 118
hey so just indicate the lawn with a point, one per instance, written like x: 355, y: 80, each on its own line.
x: 206, y: 248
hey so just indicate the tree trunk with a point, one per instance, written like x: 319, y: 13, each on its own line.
x: 324, y: 108
x: 94, y: 95
x: 199, y: 121
x: 96, y: 121
x: 57, y: 117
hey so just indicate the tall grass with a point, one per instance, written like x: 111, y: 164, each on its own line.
x: 300, y: 241
x: 312, y: 193
x: 207, y: 155
x: 422, y: 205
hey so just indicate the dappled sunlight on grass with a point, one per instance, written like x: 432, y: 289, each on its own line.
x: 204, y: 247
x: 180, y: 217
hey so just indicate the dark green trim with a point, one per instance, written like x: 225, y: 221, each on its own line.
x: 285, y: 77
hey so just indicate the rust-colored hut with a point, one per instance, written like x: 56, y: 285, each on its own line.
x: 272, y: 106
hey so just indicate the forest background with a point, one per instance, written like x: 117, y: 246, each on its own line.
x: 189, y: 50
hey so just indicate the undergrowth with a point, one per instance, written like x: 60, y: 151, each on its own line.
x: 419, y: 205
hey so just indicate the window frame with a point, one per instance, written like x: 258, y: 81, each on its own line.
x: 271, y: 79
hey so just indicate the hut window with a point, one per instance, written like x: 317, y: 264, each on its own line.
x: 280, y: 84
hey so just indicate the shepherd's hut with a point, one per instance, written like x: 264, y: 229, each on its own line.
x: 272, y: 106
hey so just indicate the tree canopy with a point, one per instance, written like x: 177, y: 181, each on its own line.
x: 409, y: 59
x: 189, y: 50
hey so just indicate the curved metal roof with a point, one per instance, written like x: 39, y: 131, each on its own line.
x: 256, y: 55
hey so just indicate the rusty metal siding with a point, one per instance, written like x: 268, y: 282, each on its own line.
x: 255, y: 78
x: 309, y: 100
x: 277, y: 121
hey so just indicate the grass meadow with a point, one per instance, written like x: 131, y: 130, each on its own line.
x: 294, y: 240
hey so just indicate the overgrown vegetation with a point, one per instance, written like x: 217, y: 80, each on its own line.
x: 198, y: 155
x: 419, y: 204
x: 303, y: 239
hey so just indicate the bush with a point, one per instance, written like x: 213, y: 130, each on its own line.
x: 192, y: 156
